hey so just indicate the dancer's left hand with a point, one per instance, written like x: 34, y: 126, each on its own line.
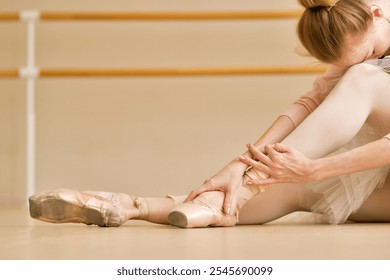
x: 228, y: 180
x: 283, y: 164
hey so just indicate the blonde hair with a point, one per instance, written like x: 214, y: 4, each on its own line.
x: 324, y: 25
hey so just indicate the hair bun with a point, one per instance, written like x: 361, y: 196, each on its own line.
x: 316, y: 3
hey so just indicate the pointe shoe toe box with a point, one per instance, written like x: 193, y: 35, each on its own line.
x: 205, y: 210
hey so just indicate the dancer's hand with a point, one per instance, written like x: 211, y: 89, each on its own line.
x: 283, y: 164
x: 228, y: 180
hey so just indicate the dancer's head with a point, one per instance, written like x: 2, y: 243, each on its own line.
x: 345, y: 32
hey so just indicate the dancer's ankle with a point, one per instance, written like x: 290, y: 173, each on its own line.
x: 140, y: 210
x: 249, y: 191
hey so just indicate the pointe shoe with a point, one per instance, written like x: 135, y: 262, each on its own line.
x: 206, y: 209
x: 91, y: 208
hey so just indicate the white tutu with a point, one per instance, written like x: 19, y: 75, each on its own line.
x: 338, y: 197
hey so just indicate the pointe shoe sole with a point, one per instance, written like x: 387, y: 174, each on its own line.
x: 56, y: 210
x: 195, y: 216
x: 189, y: 215
x: 178, y: 219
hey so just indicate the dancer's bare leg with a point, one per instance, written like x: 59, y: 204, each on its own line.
x: 356, y: 99
x: 362, y: 95
x: 272, y: 204
x: 376, y: 208
x: 263, y: 208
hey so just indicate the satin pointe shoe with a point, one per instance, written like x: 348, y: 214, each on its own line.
x: 206, y: 209
x: 91, y: 208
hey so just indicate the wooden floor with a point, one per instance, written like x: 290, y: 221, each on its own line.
x: 26, y: 239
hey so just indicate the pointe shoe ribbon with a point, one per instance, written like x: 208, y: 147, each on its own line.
x: 254, y: 174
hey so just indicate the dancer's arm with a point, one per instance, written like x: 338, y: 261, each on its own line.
x: 286, y: 165
x: 369, y: 156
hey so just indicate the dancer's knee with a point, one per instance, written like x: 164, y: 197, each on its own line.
x: 363, y: 82
x: 364, y: 74
x: 362, y: 70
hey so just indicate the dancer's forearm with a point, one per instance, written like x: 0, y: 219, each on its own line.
x: 274, y: 134
x: 279, y: 130
x: 369, y: 156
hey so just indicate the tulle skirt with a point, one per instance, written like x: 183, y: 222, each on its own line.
x: 338, y: 197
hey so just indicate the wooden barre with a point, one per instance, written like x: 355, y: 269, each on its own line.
x: 178, y: 71
x: 66, y: 16
x: 170, y: 16
x: 169, y: 72
x: 10, y: 16
x: 9, y: 73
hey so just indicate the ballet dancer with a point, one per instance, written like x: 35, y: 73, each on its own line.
x: 328, y: 154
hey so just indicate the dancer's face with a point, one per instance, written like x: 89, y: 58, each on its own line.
x: 372, y: 44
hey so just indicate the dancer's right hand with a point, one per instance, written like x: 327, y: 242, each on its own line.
x: 228, y: 180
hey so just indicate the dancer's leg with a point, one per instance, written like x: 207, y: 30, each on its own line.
x: 159, y: 208
x: 151, y: 209
x: 281, y: 200
x: 272, y: 204
x: 335, y: 122
x: 99, y: 208
x: 376, y: 208
x: 341, y: 115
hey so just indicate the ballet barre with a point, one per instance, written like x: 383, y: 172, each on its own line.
x: 31, y: 72
x: 66, y: 16
x: 162, y: 72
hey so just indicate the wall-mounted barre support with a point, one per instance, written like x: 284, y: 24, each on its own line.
x: 30, y: 17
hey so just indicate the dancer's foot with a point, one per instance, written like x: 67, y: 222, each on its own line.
x: 206, y: 209
x: 91, y: 208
